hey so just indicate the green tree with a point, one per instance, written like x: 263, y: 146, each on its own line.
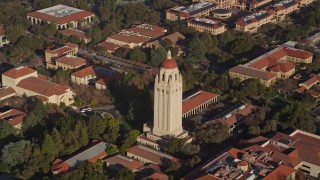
x: 175, y: 146
x: 49, y: 147
x: 96, y: 35
x: 96, y: 126
x: 130, y: 139
x: 206, y: 39
x: 125, y: 174
x: 121, y: 52
x: 6, y: 130
x: 211, y: 133
x: 137, y: 54
x: 57, y: 140
x: 15, y: 153
x: 112, y: 130
x: 196, y: 49
x: 14, y: 33
x: 157, y: 56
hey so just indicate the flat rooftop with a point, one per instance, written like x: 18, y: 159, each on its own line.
x: 60, y: 11
x: 194, y: 8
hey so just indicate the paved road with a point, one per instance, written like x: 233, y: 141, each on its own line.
x: 123, y: 63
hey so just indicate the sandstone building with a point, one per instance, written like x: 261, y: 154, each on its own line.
x: 61, y: 15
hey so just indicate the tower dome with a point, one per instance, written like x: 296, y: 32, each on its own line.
x: 169, y: 63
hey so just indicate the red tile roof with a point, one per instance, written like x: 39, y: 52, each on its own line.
x: 85, y: 72
x: 101, y: 82
x: 148, y: 30
x: 281, y: 172
x: 42, y: 87
x: 298, y: 53
x: 312, y: 81
x: 13, y: 116
x: 18, y: 72
x: 124, y: 161
x: 196, y: 101
x: 60, y: 51
x: 283, y: 67
x: 6, y: 91
x: 95, y: 151
x: 152, y: 171
x: 236, y: 153
x: 196, y: 21
x: 109, y: 46
x: 128, y: 38
x: 150, y: 154
x: 252, y: 72
x: 237, y: 116
x: 272, y: 60
x: 73, y: 61
x: 63, y: 20
x: 243, y: 21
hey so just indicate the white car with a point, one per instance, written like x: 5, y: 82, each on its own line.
x: 86, y: 110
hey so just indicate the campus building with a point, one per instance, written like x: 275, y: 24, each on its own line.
x: 244, y: 5
x: 3, y: 37
x: 252, y: 22
x: 177, y: 39
x: 26, y: 81
x: 250, y: 5
x: 211, y: 26
x: 61, y: 15
x: 278, y: 63
x: 311, y: 86
x: 280, y: 157
x: 64, y: 57
x: 97, y: 76
x: 149, y: 155
x: 132, y: 37
x: 167, y: 117
x: 96, y: 150
x: 197, y: 9
x: 283, y: 8
x: 197, y: 102
x: 234, y: 116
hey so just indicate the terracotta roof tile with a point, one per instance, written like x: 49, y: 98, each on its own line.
x: 73, y: 61
x: 18, y: 72
x: 95, y: 151
x: 6, y: 91
x: 128, y: 38
x: 298, y: 53
x: 312, y: 80
x: 237, y: 116
x: 195, y: 101
x: 109, y: 46
x: 281, y: 172
x: 85, y: 72
x: 124, y: 161
x: 13, y: 116
x: 148, y: 30
x: 252, y: 72
x: 43, y: 87
x: 150, y: 154
x: 217, y: 24
x: 283, y: 67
